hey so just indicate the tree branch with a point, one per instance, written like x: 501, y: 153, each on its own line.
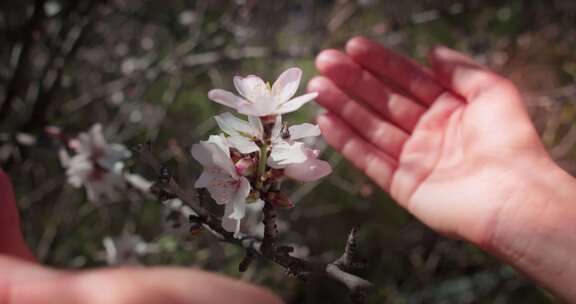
x: 16, y: 82
x: 55, y: 68
x: 267, y: 248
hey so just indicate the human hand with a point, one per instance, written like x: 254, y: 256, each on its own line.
x: 453, y: 144
x: 22, y: 281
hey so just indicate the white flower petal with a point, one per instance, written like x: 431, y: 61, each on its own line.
x: 285, y: 153
x: 204, y: 179
x: 79, y: 170
x: 201, y: 153
x: 250, y: 86
x: 304, y: 130
x: 64, y: 157
x: 211, y: 155
x: 226, y: 98
x: 138, y: 182
x: 277, y: 129
x: 239, y: 199
x: 230, y: 224
x: 235, y: 210
x: 295, y: 103
x: 222, y: 188
x: 232, y: 125
x: 83, y: 144
x: 243, y: 144
x: 113, y: 156
x: 221, y: 142
x: 256, y: 123
x: 118, y: 152
x: 287, y: 84
x: 260, y: 106
x: 97, y: 137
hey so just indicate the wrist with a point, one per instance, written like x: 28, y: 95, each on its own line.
x: 535, y: 230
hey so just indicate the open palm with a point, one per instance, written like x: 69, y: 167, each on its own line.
x: 450, y: 143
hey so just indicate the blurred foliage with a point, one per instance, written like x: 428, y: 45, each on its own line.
x: 142, y: 68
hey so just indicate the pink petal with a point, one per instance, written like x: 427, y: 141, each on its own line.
x: 308, y: 171
x: 204, y: 180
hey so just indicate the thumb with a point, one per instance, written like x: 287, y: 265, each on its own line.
x: 466, y: 77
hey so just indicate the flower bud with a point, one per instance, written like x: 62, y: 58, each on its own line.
x: 245, y: 166
x: 195, y: 228
x: 54, y: 132
x: 268, y: 120
x: 280, y: 200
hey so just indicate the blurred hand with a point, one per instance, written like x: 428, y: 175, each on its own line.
x: 453, y: 144
x: 22, y: 281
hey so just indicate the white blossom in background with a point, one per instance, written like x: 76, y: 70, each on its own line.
x: 125, y: 249
x: 221, y: 179
x: 177, y: 214
x: 97, y: 165
x: 257, y: 98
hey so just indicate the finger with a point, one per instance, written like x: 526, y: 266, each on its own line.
x: 395, y: 68
x: 362, y: 154
x: 160, y: 285
x: 464, y: 76
x: 380, y: 133
x: 358, y: 82
x: 11, y: 241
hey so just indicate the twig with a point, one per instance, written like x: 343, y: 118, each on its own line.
x: 270, y: 228
x: 55, y: 69
x: 267, y: 248
x: 16, y: 82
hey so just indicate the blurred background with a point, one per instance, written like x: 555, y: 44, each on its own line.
x: 142, y: 69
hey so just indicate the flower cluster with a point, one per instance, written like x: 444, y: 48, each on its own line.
x: 244, y: 163
x: 97, y: 164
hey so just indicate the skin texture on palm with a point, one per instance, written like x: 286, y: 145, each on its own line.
x: 453, y: 144
x: 23, y: 281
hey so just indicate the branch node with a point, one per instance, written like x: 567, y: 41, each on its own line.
x: 248, y: 259
x: 165, y: 176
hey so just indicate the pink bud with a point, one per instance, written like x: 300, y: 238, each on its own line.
x: 314, y: 153
x: 269, y: 119
x: 245, y: 166
x: 53, y: 131
x: 74, y: 144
